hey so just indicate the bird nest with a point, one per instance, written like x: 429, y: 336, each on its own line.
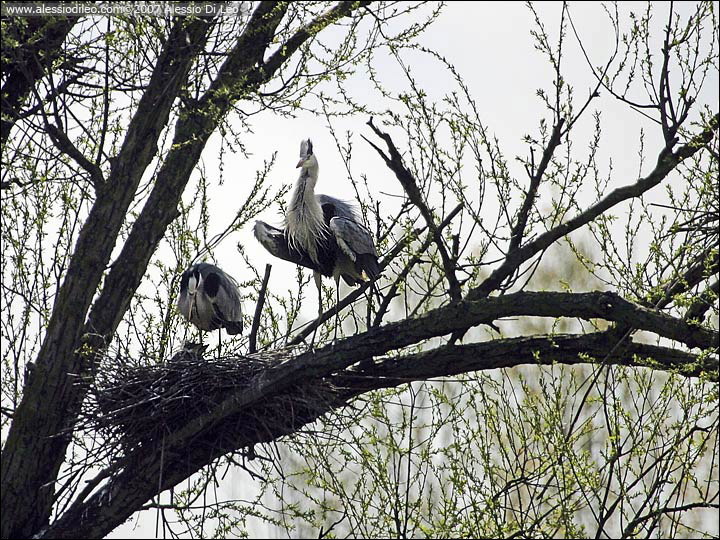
x: 137, y: 406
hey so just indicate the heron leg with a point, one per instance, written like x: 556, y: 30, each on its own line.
x: 337, y: 306
x: 318, y: 283
x: 372, y: 291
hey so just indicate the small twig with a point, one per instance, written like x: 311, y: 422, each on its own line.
x: 258, y: 309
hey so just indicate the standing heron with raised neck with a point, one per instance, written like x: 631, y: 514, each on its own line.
x: 322, y: 233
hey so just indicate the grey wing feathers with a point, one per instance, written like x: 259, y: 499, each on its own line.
x: 228, y: 304
x: 342, y: 208
x: 354, y: 239
x: 276, y: 242
x: 356, y: 242
x: 229, y: 297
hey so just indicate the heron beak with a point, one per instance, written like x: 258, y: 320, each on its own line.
x: 193, y: 286
x: 300, y: 163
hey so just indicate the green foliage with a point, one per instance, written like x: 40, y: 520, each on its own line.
x: 529, y: 451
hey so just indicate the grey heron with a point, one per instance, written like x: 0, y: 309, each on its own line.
x: 322, y: 233
x: 209, y: 299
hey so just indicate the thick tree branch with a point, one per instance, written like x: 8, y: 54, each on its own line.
x: 460, y: 316
x: 34, y: 450
x: 211, y: 436
x: 310, y: 366
x: 40, y: 43
x: 534, y: 350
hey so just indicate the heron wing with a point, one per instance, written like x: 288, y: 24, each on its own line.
x: 340, y: 208
x: 224, y: 297
x: 228, y: 299
x: 275, y: 241
x: 352, y: 238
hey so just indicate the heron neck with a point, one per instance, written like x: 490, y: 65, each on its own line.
x: 305, y: 223
x: 304, y: 192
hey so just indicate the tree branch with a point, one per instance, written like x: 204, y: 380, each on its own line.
x: 411, y: 263
x: 667, y: 161
x: 39, y: 45
x: 65, y: 145
x: 207, y: 437
x: 702, y: 303
x: 407, y: 181
x: 337, y: 12
x: 252, y: 347
x: 549, y: 350
x: 630, y: 529
x: 441, y: 321
x: 519, y: 230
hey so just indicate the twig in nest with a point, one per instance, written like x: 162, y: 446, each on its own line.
x: 258, y: 309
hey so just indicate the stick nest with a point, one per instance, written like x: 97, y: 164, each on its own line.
x: 136, y: 406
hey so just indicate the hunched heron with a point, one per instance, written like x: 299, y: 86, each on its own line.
x: 209, y: 299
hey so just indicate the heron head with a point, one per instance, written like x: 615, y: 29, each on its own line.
x: 308, y: 160
x: 194, y: 282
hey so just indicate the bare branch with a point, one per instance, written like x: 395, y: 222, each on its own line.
x: 412, y: 262
x: 519, y: 229
x: 630, y: 529
x: 395, y: 163
x: 258, y: 310
x: 667, y: 161
x: 65, y: 145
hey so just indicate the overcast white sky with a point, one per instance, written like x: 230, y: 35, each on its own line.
x: 491, y: 46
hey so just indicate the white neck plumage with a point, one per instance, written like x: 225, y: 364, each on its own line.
x: 304, y: 220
